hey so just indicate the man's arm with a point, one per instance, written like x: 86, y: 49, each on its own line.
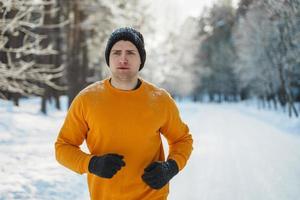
x: 159, y: 173
x: 71, y: 136
x: 177, y: 134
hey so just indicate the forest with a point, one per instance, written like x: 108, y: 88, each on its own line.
x: 52, y: 48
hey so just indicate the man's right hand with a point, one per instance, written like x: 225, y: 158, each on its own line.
x: 106, y: 166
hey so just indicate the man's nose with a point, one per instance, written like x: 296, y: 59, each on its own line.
x: 123, y: 58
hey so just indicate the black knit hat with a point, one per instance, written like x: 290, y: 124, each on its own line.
x: 127, y: 34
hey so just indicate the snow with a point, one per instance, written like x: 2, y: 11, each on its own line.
x: 28, y: 166
x: 240, y: 152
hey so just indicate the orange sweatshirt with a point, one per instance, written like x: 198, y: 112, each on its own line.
x: 129, y: 123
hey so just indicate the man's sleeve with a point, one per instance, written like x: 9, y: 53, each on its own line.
x: 71, y: 136
x: 177, y: 133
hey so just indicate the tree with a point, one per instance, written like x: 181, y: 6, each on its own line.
x: 20, y: 45
x: 267, y: 42
x: 217, y: 54
x: 179, y: 59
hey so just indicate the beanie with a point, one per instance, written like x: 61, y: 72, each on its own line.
x: 127, y: 34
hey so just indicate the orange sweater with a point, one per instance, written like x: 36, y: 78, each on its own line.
x: 128, y: 123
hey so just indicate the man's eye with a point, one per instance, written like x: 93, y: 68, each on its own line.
x: 116, y: 53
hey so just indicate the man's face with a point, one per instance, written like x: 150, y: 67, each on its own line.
x: 124, y: 60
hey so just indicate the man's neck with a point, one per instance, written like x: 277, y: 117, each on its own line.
x: 124, y: 85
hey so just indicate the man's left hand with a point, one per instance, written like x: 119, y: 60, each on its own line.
x: 159, y: 173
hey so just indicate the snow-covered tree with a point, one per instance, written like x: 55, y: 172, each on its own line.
x: 217, y: 54
x: 267, y: 42
x: 21, y: 43
x: 179, y: 56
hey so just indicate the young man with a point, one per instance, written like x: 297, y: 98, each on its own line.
x: 122, y: 119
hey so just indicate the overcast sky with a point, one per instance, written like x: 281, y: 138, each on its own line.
x: 171, y: 13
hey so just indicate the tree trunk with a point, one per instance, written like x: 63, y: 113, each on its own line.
x: 46, y: 59
x: 292, y: 107
x: 44, y: 102
x: 15, y: 97
x: 274, y: 102
x: 77, y: 63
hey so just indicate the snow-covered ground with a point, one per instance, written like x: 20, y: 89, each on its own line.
x: 240, y: 153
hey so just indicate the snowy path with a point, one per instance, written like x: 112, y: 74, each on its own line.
x: 235, y: 157
x: 238, y: 157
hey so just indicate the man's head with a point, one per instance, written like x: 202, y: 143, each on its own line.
x: 126, y: 34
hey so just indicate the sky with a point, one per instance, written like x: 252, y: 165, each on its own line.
x: 172, y: 13
x: 181, y: 9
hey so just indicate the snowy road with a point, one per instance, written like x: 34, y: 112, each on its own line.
x: 237, y: 156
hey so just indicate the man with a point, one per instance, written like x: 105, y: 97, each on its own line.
x: 122, y: 119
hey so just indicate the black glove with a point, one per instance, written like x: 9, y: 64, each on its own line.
x: 159, y: 173
x: 106, y: 166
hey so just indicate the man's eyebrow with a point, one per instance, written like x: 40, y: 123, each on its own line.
x: 130, y: 50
